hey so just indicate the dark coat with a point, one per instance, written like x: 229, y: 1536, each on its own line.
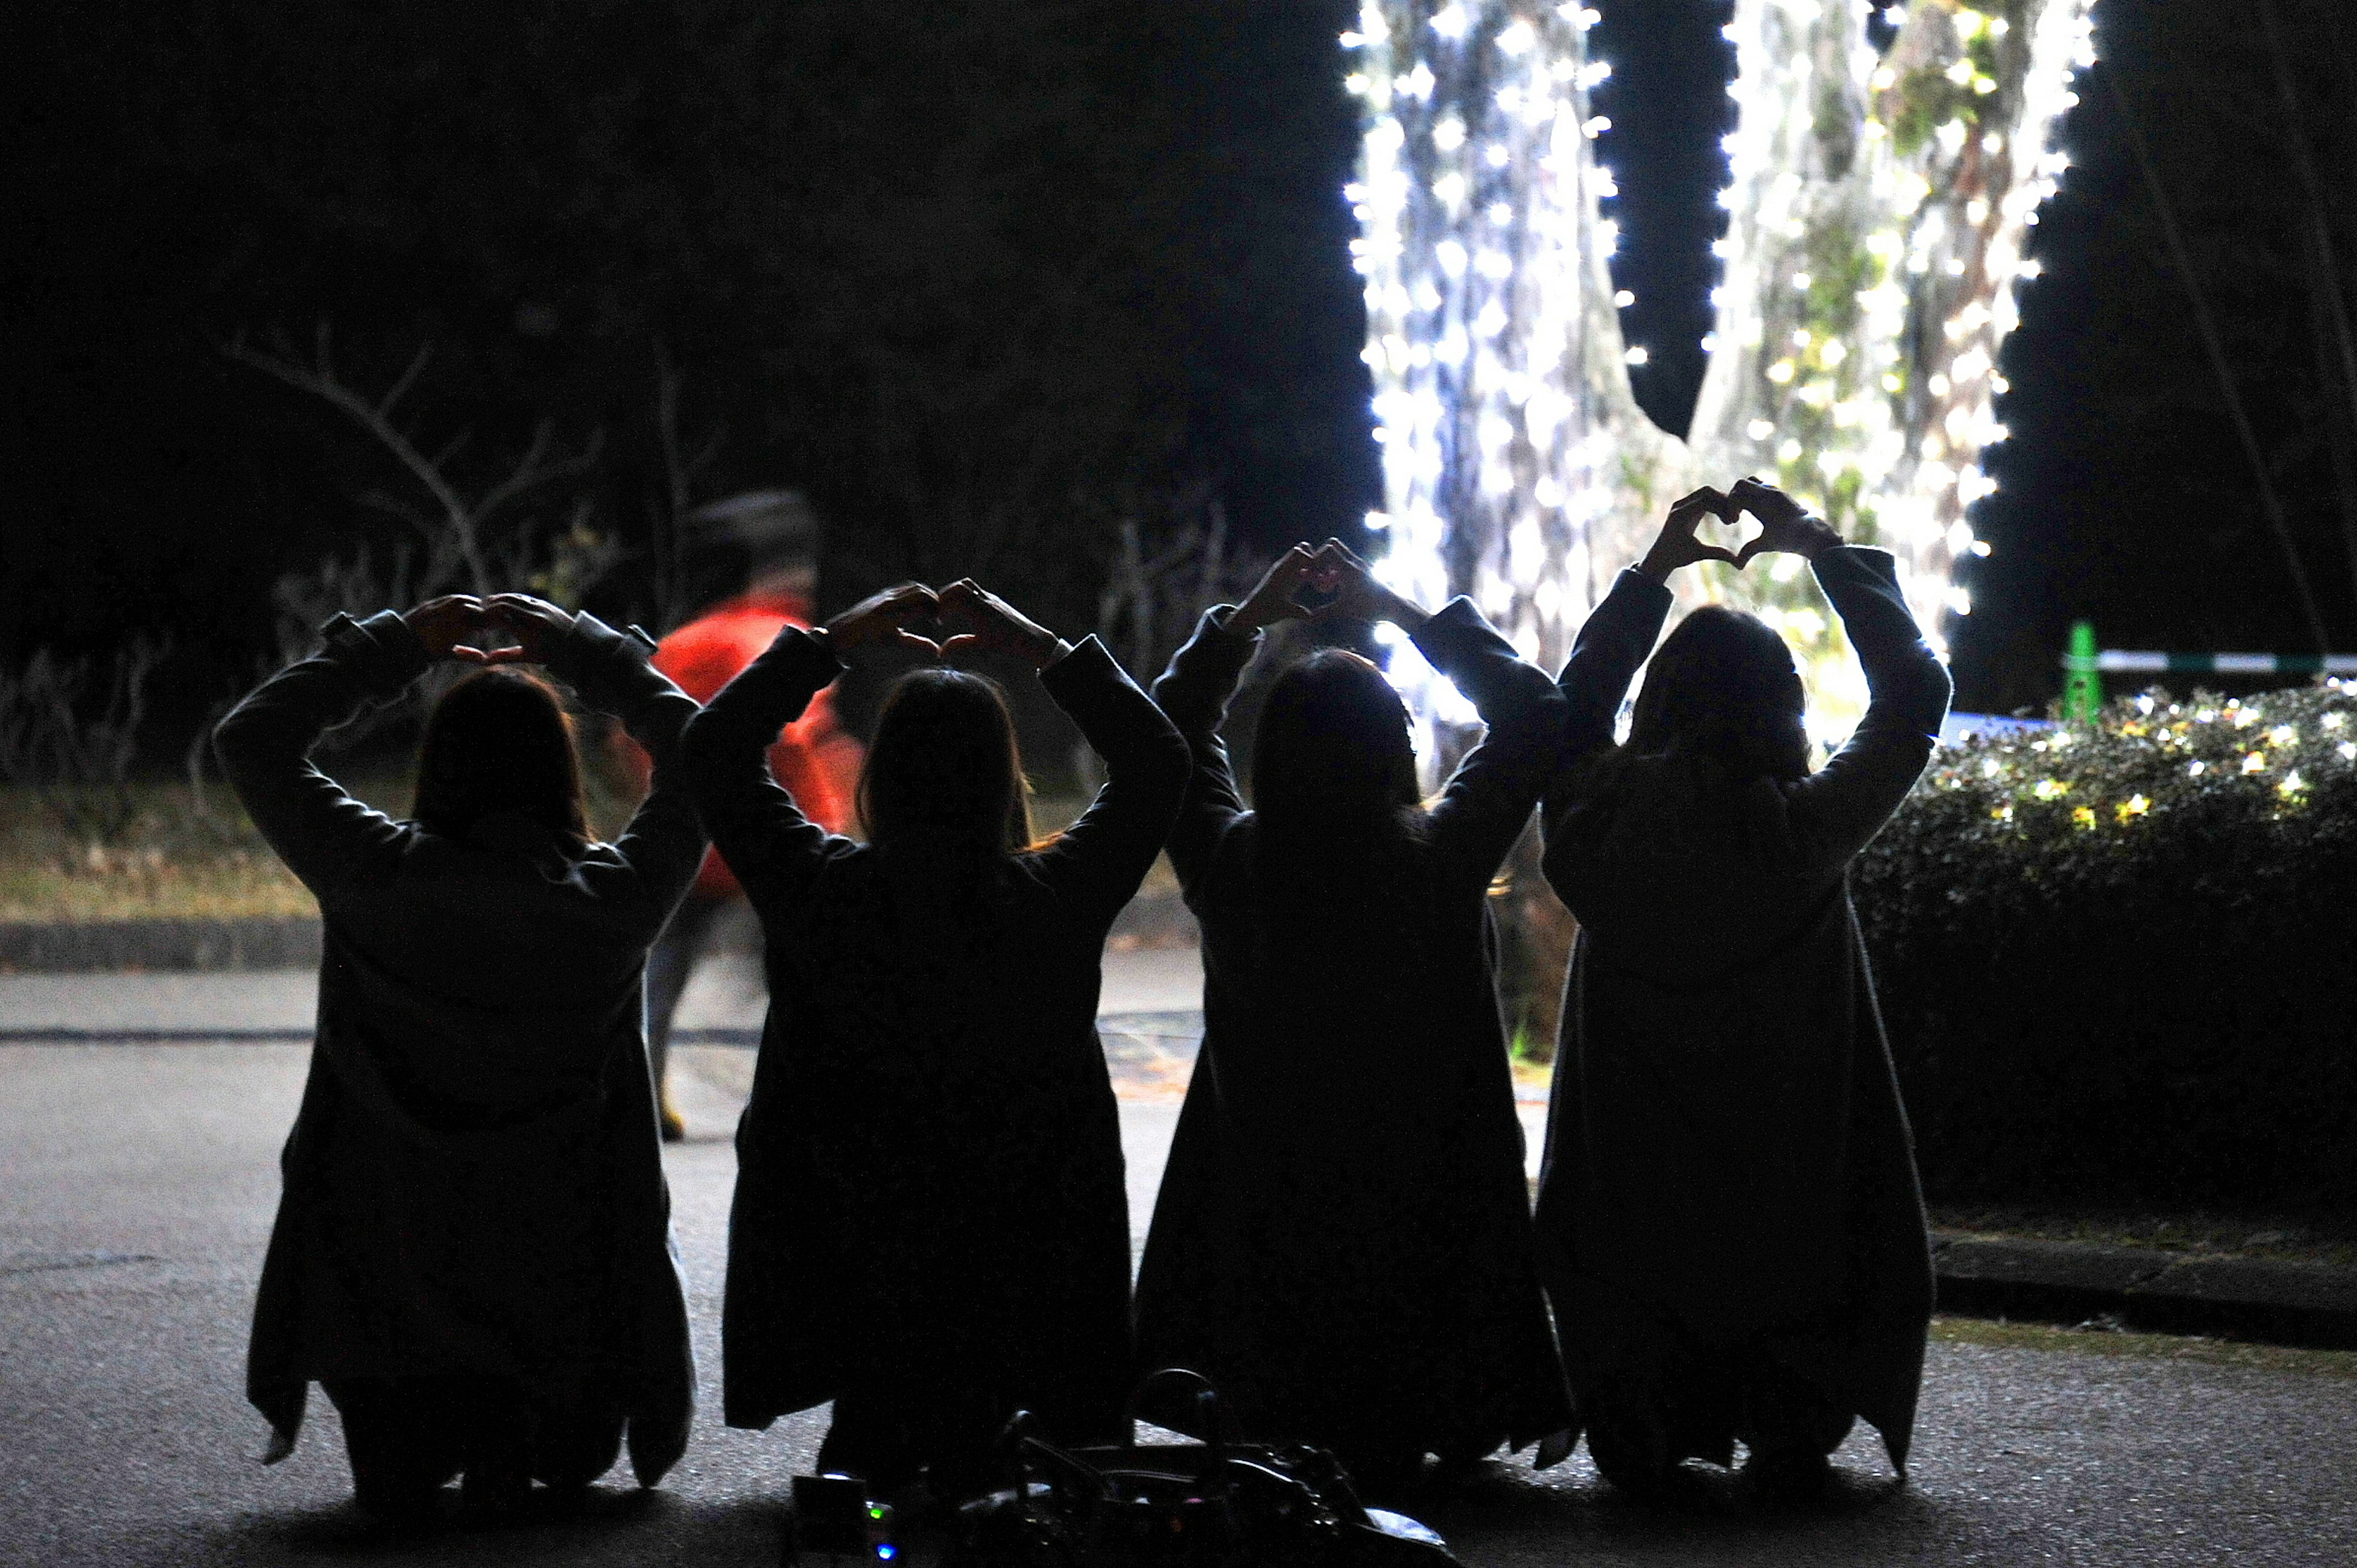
x: 1343, y: 1236
x: 1729, y: 1178
x: 474, y: 1185
x: 929, y: 1210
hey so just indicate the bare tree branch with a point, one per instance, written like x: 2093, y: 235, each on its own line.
x: 454, y: 532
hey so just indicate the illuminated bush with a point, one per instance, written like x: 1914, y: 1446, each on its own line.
x: 2115, y: 960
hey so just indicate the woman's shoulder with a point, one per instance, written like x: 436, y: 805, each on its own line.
x: 1653, y: 807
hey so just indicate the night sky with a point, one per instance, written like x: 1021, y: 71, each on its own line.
x: 918, y: 259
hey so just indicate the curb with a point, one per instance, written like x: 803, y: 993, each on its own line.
x: 35, y: 947
x: 32, y: 947
x: 2311, y: 1306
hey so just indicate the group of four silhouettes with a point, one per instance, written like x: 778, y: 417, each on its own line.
x: 473, y: 1253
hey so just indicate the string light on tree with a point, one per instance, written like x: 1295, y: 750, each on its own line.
x: 1878, y: 206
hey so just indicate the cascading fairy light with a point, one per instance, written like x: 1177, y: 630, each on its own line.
x: 1501, y: 402
x: 1878, y: 205
x: 1877, y: 209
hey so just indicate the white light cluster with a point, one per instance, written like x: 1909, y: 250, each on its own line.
x: 1500, y: 403
x: 1868, y: 274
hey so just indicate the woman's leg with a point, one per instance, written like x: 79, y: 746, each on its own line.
x: 496, y: 1443
x: 870, y: 1438
x: 1790, y: 1428
x: 402, y: 1446
x: 1628, y: 1436
x: 670, y: 962
x: 570, y: 1449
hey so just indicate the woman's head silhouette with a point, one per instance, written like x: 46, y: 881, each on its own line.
x: 1723, y: 685
x: 500, y: 743
x: 1332, y: 749
x: 944, y: 763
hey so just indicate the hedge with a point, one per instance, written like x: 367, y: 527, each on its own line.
x: 2115, y: 960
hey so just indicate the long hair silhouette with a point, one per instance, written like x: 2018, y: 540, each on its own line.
x: 500, y: 742
x: 1332, y: 753
x: 1723, y: 684
x: 1334, y: 789
x: 945, y: 764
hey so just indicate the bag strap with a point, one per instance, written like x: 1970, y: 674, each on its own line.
x: 1026, y: 1449
x: 1207, y: 1403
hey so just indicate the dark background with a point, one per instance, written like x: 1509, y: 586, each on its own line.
x: 981, y: 275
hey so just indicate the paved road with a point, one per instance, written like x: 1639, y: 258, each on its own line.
x: 136, y: 1183
x: 727, y: 992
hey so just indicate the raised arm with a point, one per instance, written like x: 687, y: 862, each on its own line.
x: 1489, y: 797
x: 325, y: 836
x: 1103, y: 855
x: 663, y: 842
x: 774, y: 849
x: 1194, y: 692
x: 1619, y: 633
x: 1836, y: 810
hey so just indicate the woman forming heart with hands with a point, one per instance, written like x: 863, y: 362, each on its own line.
x: 1785, y: 526
x: 472, y: 1255
x: 1342, y: 1242
x: 1729, y: 1214
x: 930, y: 1227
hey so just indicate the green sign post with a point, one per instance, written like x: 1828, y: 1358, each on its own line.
x: 2083, y: 684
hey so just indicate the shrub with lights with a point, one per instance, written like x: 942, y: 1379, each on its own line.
x: 2115, y: 958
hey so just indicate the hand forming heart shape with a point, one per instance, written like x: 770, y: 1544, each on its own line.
x: 506, y: 629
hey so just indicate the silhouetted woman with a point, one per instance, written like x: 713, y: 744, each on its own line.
x: 1342, y: 1240
x: 1729, y: 1216
x: 473, y: 1252
x: 930, y: 1227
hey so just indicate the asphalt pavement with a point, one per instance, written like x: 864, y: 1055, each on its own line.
x: 138, y: 1182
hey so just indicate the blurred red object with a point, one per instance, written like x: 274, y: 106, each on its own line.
x: 812, y: 757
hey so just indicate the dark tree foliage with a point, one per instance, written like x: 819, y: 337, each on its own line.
x: 2126, y: 496
x: 983, y: 276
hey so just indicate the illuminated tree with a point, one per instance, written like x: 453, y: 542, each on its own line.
x: 1876, y: 208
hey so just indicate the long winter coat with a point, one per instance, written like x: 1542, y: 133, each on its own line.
x: 474, y: 1185
x: 1729, y: 1178
x: 930, y: 1213
x: 1343, y: 1236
